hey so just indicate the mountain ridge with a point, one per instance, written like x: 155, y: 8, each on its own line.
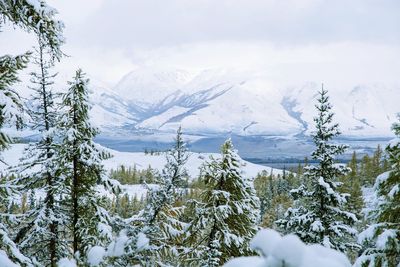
x: 214, y: 103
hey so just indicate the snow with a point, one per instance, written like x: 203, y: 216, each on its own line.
x: 229, y: 100
x: 65, y: 262
x: 324, y: 184
x: 292, y: 244
x: 146, y: 85
x: 117, y: 247
x: 367, y: 234
x: 380, y: 179
x: 394, y: 142
x: 5, y: 261
x: 246, y: 261
x: 95, y: 255
x: 369, y: 197
x: 158, y: 121
x: 384, y: 237
x: 290, y: 251
x: 142, y: 242
x: 142, y: 162
x: 257, y: 243
x: 394, y: 191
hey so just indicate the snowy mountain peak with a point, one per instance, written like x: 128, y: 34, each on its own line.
x: 147, y: 85
x: 222, y: 101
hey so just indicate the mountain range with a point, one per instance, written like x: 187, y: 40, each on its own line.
x: 218, y: 102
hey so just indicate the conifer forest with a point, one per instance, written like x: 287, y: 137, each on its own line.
x: 86, y: 178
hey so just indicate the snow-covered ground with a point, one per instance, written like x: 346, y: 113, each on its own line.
x: 288, y: 250
x: 141, y: 161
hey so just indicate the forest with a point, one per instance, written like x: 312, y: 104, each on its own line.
x: 322, y: 214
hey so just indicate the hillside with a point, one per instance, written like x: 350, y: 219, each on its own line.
x: 215, y: 102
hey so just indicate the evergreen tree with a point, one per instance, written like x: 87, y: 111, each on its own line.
x: 81, y: 161
x: 318, y: 216
x: 39, y: 18
x: 352, y: 187
x: 11, y: 107
x: 377, y: 162
x: 226, y: 219
x: 159, y: 220
x: 40, y: 232
x: 382, y: 237
x: 263, y: 190
x: 366, y: 171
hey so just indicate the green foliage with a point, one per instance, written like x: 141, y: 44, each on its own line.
x: 226, y: 218
x: 352, y: 186
x: 372, y: 166
x: 318, y: 215
x: 382, y: 237
x: 39, y: 18
x: 160, y: 220
x: 11, y: 108
x: 81, y: 164
x: 273, y: 192
x: 129, y: 175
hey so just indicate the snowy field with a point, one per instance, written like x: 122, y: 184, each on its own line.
x: 141, y: 161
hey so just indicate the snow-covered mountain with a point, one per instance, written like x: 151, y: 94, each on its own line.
x: 215, y: 102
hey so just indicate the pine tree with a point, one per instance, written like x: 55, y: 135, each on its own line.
x: 40, y: 232
x: 39, y: 18
x: 81, y: 161
x: 382, y: 237
x: 318, y: 216
x: 160, y: 221
x: 11, y: 107
x: 7, y: 221
x: 226, y: 219
x: 352, y: 187
x: 377, y: 162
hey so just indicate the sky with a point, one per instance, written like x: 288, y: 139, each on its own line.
x: 341, y: 41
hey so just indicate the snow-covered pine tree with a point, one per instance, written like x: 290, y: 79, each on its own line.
x: 36, y: 16
x: 227, y: 217
x: 382, y: 237
x: 352, y: 186
x: 81, y: 162
x: 40, y: 234
x: 11, y: 109
x: 160, y: 221
x: 28, y: 16
x: 318, y: 216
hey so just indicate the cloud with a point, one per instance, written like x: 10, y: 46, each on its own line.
x: 295, y: 40
x: 173, y: 22
x: 340, y: 63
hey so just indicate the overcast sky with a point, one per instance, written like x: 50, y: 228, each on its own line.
x: 354, y: 41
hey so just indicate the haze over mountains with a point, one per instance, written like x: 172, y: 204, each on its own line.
x: 218, y: 102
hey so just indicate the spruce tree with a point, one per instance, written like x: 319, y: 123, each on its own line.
x: 81, y: 163
x: 160, y: 221
x: 382, y: 237
x: 318, y: 216
x: 226, y: 218
x: 36, y: 16
x: 11, y: 109
x: 40, y: 19
x: 40, y: 234
x: 352, y: 186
